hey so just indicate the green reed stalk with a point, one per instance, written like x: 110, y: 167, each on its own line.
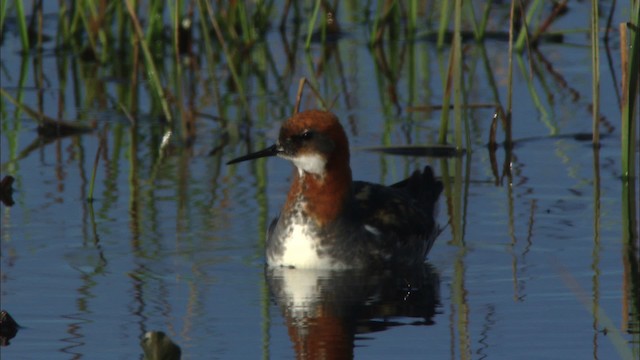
x: 3, y: 13
x: 87, y: 27
x: 630, y: 299
x: 225, y: 50
x: 154, y: 29
x: 210, y: 65
x: 630, y: 80
x: 175, y: 11
x: 507, y: 115
x: 446, y: 100
x: 248, y: 31
x: 595, y: 72
x: 444, y: 23
x: 312, y: 24
x: 121, y: 26
x: 376, y: 24
x: 75, y: 23
x: 535, y: 97
x: 152, y: 72
x: 471, y: 14
x: 485, y: 20
x: 524, y: 31
x: 22, y: 24
x: 413, y: 18
x: 63, y: 25
x: 457, y: 73
x: 178, y: 87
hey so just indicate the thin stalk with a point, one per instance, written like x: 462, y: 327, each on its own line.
x: 184, y: 115
x: 227, y: 54
x: 88, y: 27
x: 471, y: 14
x: 595, y: 72
x: 97, y: 15
x: 444, y: 23
x: 248, y: 32
x: 457, y: 74
x: 152, y: 72
x: 544, y: 113
x: 524, y: 31
x: 63, y: 25
x: 22, y: 24
x: 446, y: 100
x: 312, y: 24
x: 507, y: 125
x: 630, y: 305
x: 175, y: 21
x: 3, y: 14
x: 376, y: 31
x: 484, y: 21
x: 155, y: 20
x: 38, y: 16
x: 630, y: 78
x: 75, y: 22
x: 413, y: 18
x: 296, y: 107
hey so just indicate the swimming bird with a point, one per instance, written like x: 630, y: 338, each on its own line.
x: 330, y: 221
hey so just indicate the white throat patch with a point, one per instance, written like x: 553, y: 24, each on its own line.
x: 311, y: 163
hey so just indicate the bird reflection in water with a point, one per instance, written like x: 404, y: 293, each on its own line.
x: 325, y: 311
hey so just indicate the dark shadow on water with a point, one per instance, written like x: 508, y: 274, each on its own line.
x: 325, y: 311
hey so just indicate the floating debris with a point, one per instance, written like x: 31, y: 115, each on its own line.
x: 6, y: 190
x: 418, y: 150
x: 8, y: 326
x: 158, y: 346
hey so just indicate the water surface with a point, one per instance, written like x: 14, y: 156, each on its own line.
x: 534, y: 265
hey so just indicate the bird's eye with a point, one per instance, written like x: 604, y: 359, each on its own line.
x: 306, y: 135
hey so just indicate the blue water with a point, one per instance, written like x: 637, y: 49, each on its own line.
x: 175, y: 244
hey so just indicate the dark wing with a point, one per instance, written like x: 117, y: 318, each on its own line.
x: 406, y: 210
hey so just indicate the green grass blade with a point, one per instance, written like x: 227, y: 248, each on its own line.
x: 152, y: 71
x: 312, y: 24
x: 22, y: 24
x: 413, y: 18
x: 444, y: 23
x: 3, y: 13
x: 227, y: 54
x: 457, y: 74
x: 631, y: 77
x: 524, y: 31
x: 595, y: 71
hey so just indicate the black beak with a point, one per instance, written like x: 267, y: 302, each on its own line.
x: 270, y: 151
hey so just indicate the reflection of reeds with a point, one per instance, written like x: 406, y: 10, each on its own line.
x: 231, y: 57
x: 90, y: 198
x: 614, y: 335
x: 630, y: 259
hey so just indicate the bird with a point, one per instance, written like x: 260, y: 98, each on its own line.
x: 329, y: 221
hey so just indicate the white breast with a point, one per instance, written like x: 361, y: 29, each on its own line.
x: 301, y: 250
